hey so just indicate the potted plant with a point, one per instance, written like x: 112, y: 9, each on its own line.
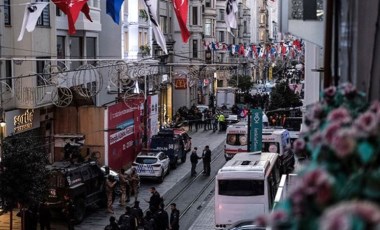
x: 145, y: 49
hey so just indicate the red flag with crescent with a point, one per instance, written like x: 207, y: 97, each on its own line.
x: 72, y: 8
x: 181, y: 8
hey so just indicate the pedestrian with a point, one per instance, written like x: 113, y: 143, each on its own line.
x: 45, y: 216
x: 155, y: 199
x: 174, y: 217
x: 149, y: 222
x: 123, y: 180
x: 137, y: 213
x: 204, y: 120
x: 206, y: 156
x: 134, y: 181
x: 31, y: 218
x: 69, y: 212
x: 127, y: 221
x: 215, y: 123
x: 110, y: 186
x: 209, y: 120
x: 112, y: 225
x: 162, y: 218
x: 194, y: 161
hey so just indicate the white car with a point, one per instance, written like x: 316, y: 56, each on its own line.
x: 152, y: 165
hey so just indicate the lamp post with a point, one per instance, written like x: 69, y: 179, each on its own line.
x: 2, y: 126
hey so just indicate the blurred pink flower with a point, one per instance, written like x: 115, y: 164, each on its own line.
x: 339, y: 216
x: 340, y: 115
x: 330, y: 132
x: 330, y: 91
x: 316, y: 139
x: 299, y: 145
x: 366, y: 124
x: 375, y: 108
x: 344, y: 143
x: 349, y: 89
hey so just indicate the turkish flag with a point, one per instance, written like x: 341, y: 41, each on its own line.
x: 181, y: 8
x: 72, y: 8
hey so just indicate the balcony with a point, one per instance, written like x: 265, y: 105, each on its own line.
x: 301, y: 14
x: 31, y: 97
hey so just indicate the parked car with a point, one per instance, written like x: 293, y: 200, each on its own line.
x: 152, y: 164
x: 202, y: 108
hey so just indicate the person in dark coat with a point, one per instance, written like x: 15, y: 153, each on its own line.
x: 112, y: 225
x: 155, y: 198
x: 127, y: 221
x: 194, y: 161
x: 45, y: 216
x: 137, y: 212
x: 149, y: 222
x: 31, y: 217
x: 162, y: 218
x: 206, y: 156
x: 174, y: 217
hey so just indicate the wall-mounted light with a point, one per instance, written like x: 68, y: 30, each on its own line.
x: 2, y: 123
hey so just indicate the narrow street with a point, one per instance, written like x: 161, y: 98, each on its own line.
x: 190, y: 194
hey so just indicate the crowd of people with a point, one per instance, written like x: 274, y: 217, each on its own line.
x: 156, y: 218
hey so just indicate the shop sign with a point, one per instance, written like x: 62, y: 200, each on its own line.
x: 23, y: 121
x: 180, y: 83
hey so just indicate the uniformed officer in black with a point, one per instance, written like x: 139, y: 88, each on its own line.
x: 174, y: 217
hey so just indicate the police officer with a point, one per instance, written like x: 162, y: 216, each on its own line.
x: 174, y: 217
x: 206, y: 156
x: 162, y: 218
x: 194, y: 161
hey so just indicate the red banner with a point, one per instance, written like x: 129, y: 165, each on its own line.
x: 124, y: 135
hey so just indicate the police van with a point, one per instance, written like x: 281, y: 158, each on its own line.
x: 175, y: 143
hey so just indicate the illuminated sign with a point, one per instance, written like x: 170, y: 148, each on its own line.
x: 23, y: 121
x: 180, y: 83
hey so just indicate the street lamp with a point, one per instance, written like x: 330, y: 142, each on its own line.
x: 2, y: 125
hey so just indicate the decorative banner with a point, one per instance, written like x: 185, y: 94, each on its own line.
x: 31, y: 15
x: 180, y: 83
x: 256, y: 130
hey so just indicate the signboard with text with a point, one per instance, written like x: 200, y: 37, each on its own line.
x: 256, y: 130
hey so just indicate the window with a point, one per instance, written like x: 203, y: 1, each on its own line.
x: 241, y: 187
x: 7, y: 12
x: 91, y: 50
x: 221, y: 14
x: 195, y: 48
x: 245, y: 27
x: 61, y: 50
x: 8, y: 73
x: 221, y: 36
x: 208, y: 3
x: 44, y: 19
x: 195, y: 15
x: 42, y: 78
x: 76, y: 51
x: 237, y: 139
x: 208, y: 27
x: 163, y: 24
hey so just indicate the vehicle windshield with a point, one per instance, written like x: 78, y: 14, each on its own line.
x: 237, y: 139
x: 56, y: 180
x: 293, y: 123
x: 146, y: 160
x: 241, y: 187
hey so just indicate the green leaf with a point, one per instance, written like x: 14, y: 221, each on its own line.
x: 366, y: 151
x: 353, y: 186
